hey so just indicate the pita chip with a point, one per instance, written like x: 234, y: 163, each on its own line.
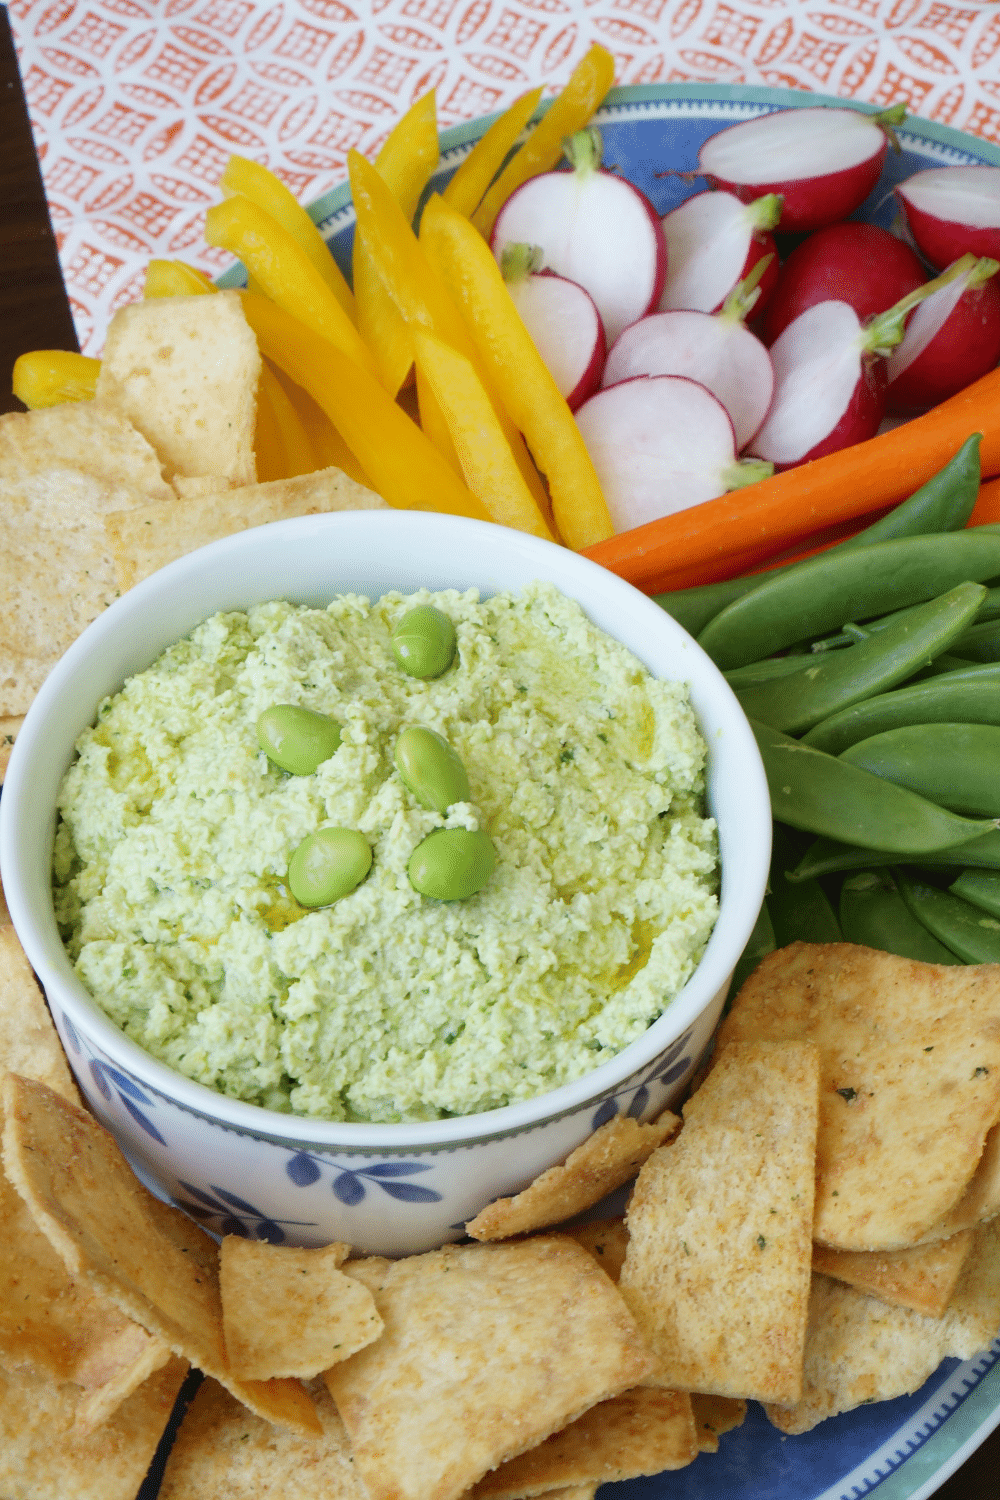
x: 291, y: 1312
x: 222, y: 1451
x: 717, y: 1268
x: 123, y: 1244
x: 29, y: 1043
x: 504, y: 1343
x: 859, y: 1349
x: 714, y: 1416
x: 645, y: 1431
x: 605, y: 1160
x: 145, y: 539
x: 184, y: 371
x: 981, y: 1199
x: 606, y: 1240
x: 922, y: 1277
x: 9, y: 727
x: 87, y: 439
x: 910, y: 1080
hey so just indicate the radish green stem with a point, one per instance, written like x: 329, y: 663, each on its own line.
x: 520, y: 261
x: 887, y: 120
x: 744, y: 294
x: 583, y: 150
x: 883, y: 332
x: 764, y: 212
x: 746, y: 471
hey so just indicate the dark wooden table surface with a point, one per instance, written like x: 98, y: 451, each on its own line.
x: 34, y: 314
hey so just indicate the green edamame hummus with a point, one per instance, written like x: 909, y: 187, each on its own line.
x: 176, y: 830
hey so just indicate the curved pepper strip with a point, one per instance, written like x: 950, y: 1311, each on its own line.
x: 527, y: 389
x: 471, y: 181
x: 174, y: 278
x: 268, y: 447
x: 259, y: 184
x: 405, y: 468
x: 483, y: 451
x: 299, y: 454
x: 50, y: 377
x: 433, y: 421
x: 330, y: 450
x: 569, y: 112
x: 405, y: 163
x: 419, y: 293
x: 284, y: 273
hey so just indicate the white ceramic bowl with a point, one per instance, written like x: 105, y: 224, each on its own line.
x: 387, y: 1189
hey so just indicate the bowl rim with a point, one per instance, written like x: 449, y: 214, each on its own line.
x: 467, y: 538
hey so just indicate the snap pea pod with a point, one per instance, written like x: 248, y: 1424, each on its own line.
x: 821, y: 794
x: 801, y: 913
x: 760, y: 943
x: 874, y: 914
x: 980, y: 642
x: 988, y: 610
x: 963, y: 928
x: 765, y: 671
x: 944, y: 503
x: 957, y: 765
x: 979, y: 887
x: 970, y: 696
x: 832, y: 682
x: 837, y: 586
x: 830, y: 856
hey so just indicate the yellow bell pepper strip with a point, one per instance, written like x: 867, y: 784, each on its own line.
x: 300, y: 455
x: 419, y: 293
x: 268, y: 447
x: 483, y: 451
x: 174, y: 278
x: 470, y: 182
x: 261, y: 186
x: 50, y: 377
x: 283, y: 272
x: 405, y: 163
x: 570, y: 111
x: 329, y: 448
x: 465, y: 263
x: 433, y: 421
x: 404, y: 466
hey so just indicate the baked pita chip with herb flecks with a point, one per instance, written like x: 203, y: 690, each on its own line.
x: 29, y: 1043
x: 184, y: 371
x: 606, y: 1240
x: 910, y: 1080
x: 981, y: 1199
x: 859, y: 1349
x: 922, y: 1277
x: 123, y: 1244
x: 714, y: 1416
x: 644, y: 1431
x: 222, y: 1451
x: 607, y: 1159
x: 487, y: 1350
x: 291, y: 1312
x: 718, y: 1261
x: 9, y: 728
x: 147, y: 537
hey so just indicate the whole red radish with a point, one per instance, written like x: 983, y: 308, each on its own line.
x: 860, y: 264
x: 714, y: 241
x: 830, y: 378
x: 661, y: 443
x: 715, y: 349
x: 562, y: 319
x: 952, y: 339
x: 951, y: 210
x: 823, y: 161
x: 592, y: 227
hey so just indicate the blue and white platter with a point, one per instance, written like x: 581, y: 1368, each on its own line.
x: 896, y: 1450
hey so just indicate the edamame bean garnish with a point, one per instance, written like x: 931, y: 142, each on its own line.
x: 423, y: 641
x: 327, y: 865
x: 431, y: 769
x: 297, y: 739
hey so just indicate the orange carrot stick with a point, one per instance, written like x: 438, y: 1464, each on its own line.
x: 769, y: 516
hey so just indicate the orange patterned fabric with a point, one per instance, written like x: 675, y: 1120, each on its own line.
x: 136, y: 104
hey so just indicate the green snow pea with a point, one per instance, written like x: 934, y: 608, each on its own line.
x: 765, y: 671
x: 874, y: 914
x: 328, y: 864
x: 970, y: 696
x: 423, y: 641
x: 834, y: 681
x: 963, y: 928
x: 828, y: 856
x: 837, y: 586
x: 295, y: 738
x: 944, y: 503
x: 980, y: 642
x: 821, y: 794
x: 979, y: 887
x: 957, y: 765
x: 801, y: 913
x: 452, y: 864
x: 760, y: 943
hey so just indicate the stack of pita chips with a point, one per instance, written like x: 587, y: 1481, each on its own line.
x: 97, y: 495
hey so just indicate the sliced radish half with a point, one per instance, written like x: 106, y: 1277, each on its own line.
x: 714, y: 240
x: 823, y: 161
x: 716, y: 350
x: 562, y: 319
x: 950, y: 210
x: 661, y: 443
x: 592, y: 227
x: 866, y: 267
x: 952, y: 339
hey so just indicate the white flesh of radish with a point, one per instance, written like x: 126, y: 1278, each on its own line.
x: 925, y: 324
x: 708, y: 241
x: 659, y: 445
x: 595, y: 231
x: 716, y: 351
x: 792, y: 144
x: 817, y: 366
x: 564, y: 325
x: 957, y: 195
